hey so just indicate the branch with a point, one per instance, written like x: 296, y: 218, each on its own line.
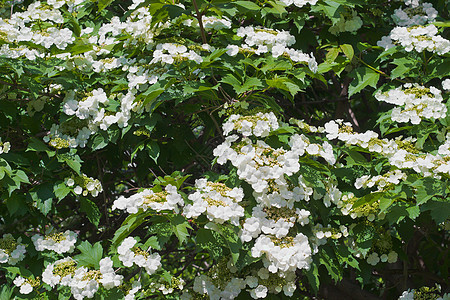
x: 200, y: 22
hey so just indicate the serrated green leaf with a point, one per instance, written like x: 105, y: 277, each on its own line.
x: 128, y: 226
x: 90, y: 254
x: 180, y: 228
x: 61, y: 190
x: 363, y: 77
x: 91, y: 210
x: 210, y: 241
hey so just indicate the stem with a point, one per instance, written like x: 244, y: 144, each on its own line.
x: 200, y: 23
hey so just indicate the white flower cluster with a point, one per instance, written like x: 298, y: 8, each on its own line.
x: 370, y: 210
x: 299, y: 3
x: 11, y: 250
x: 19, y: 27
x: 4, y: 147
x: 167, y: 287
x: 259, y: 125
x: 409, y: 294
x: 170, y: 53
x: 85, y: 282
x: 129, y: 255
x: 401, y: 153
x: 263, y: 40
x: 60, y: 272
x: 26, y: 284
x: 381, y: 181
x: 214, y: 23
x: 148, y: 199
x: 60, y: 242
x: 418, y: 38
x: 414, y: 103
x: 92, y: 114
x: 217, y: 201
x: 415, y: 15
x: 348, y: 22
x: 284, y: 254
x: 135, y: 287
x: 58, y: 137
x: 264, y: 167
x: 84, y: 185
x: 205, y: 285
x: 272, y: 221
x: 263, y: 282
x: 139, y: 78
x: 321, y: 234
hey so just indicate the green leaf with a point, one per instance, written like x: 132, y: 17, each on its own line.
x: 20, y: 176
x: 413, y: 211
x: 128, y: 226
x: 368, y: 199
x: 332, y: 54
x: 91, y: 210
x: 153, y: 243
x: 283, y: 83
x: 211, y: 241
x: 6, y: 293
x: 43, y: 196
x: 385, y: 202
x: 16, y: 205
x: 348, y: 51
x: 442, y: 24
x: 248, y: 5
x: 439, y: 210
x: 363, y: 77
x: 180, y: 227
x: 404, y: 65
x: 90, y: 254
x: 38, y: 146
x: 313, y: 277
x: 61, y: 190
x: 232, y: 240
x: 428, y: 187
x: 72, y: 160
x: 102, y: 4
x: 153, y: 150
x: 80, y: 46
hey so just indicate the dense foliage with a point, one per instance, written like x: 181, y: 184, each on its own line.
x: 224, y: 149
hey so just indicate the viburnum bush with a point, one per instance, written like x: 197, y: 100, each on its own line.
x: 224, y: 149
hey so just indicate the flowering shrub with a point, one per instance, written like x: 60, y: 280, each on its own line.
x: 224, y: 149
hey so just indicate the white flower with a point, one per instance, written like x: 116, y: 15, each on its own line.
x: 446, y: 84
x: 259, y: 292
x: 373, y: 259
